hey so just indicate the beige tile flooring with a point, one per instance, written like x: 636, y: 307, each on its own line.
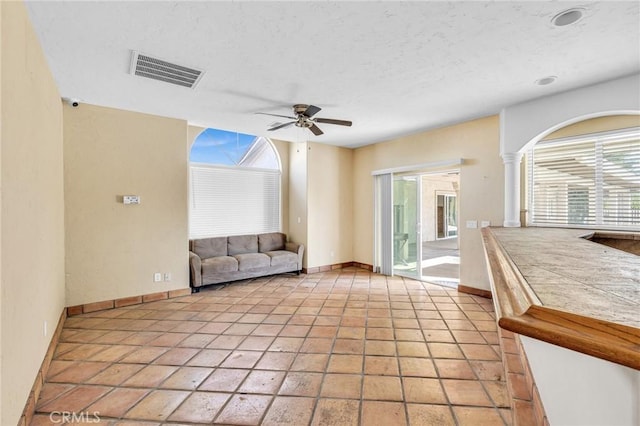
x: 345, y: 347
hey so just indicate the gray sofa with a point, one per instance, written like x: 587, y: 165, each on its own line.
x: 222, y: 259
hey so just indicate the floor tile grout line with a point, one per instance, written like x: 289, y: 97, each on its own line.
x: 324, y: 375
x: 401, y: 376
x: 325, y: 372
x: 279, y: 387
x: 478, y: 379
x: 345, y: 295
x: 487, y: 394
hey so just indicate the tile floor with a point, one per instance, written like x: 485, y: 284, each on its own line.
x: 346, y: 347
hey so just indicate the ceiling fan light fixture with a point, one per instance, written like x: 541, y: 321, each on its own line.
x: 304, y: 118
x: 568, y: 17
x: 301, y: 122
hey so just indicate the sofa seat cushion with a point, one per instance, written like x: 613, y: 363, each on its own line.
x: 282, y: 257
x: 252, y: 261
x: 214, y: 265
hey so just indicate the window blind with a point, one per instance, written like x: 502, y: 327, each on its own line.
x: 587, y: 181
x: 383, y: 261
x: 233, y: 201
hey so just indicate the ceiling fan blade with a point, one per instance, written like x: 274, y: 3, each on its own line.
x: 311, y: 111
x: 276, y: 115
x: 281, y: 126
x: 333, y: 121
x: 316, y: 130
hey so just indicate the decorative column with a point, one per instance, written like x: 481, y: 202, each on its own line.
x: 511, y: 189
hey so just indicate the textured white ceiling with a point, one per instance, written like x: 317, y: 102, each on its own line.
x: 393, y: 68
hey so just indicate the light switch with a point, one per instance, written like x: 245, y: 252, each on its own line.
x: 131, y: 199
x: 472, y: 224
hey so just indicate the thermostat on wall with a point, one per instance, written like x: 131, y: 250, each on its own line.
x: 131, y: 199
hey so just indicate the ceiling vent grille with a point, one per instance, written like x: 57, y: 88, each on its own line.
x: 157, y: 69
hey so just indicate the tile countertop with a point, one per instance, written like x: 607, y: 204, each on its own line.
x: 575, y: 275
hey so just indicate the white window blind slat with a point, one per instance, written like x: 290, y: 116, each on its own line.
x: 233, y: 201
x: 588, y: 181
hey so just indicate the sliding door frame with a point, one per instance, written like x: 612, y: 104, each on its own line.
x: 383, y: 210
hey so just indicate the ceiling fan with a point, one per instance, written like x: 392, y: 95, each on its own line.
x: 304, y: 118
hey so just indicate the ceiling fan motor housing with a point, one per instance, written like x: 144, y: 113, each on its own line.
x: 304, y: 117
x: 300, y: 108
x: 303, y: 120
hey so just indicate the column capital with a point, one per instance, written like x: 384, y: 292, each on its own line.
x: 511, y: 157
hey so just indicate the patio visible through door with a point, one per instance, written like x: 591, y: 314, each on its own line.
x: 425, y: 227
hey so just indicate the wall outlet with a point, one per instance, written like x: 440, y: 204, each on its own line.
x: 472, y: 224
x: 485, y: 224
x: 167, y: 276
x: 157, y: 277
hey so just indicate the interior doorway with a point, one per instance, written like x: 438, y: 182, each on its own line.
x: 446, y: 215
x: 425, y: 227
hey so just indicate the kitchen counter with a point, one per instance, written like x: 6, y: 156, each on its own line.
x: 554, y: 285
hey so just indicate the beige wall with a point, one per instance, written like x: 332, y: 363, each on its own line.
x: 298, y: 195
x: 1, y: 281
x: 192, y: 133
x: 595, y: 125
x: 112, y: 249
x: 329, y: 205
x: 32, y: 209
x: 481, y: 185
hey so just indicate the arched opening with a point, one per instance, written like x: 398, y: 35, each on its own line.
x: 615, y: 118
x: 585, y: 174
x: 234, y: 185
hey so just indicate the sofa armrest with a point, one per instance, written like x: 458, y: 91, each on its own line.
x: 195, y: 269
x: 296, y: 248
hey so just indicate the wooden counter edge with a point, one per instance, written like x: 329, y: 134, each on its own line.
x: 520, y: 311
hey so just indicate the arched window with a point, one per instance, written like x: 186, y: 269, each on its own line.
x: 590, y: 181
x: 234, y: 185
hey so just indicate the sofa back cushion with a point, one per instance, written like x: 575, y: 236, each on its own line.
x: 209, y: 247
x: 271, y: 242
x: 239, y: 244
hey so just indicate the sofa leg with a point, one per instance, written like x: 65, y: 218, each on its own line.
x: 195, y: 290
x: 298, y: 272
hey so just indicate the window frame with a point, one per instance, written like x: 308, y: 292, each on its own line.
x: 277, y: 173
x: 600, y: 200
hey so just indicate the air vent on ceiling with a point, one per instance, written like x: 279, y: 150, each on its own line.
x: 157, y: 69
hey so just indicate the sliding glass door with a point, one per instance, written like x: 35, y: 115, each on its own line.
x: 406, y: 226
x: 416, y: 225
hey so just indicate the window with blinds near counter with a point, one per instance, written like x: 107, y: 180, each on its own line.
x: 590, y: 181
